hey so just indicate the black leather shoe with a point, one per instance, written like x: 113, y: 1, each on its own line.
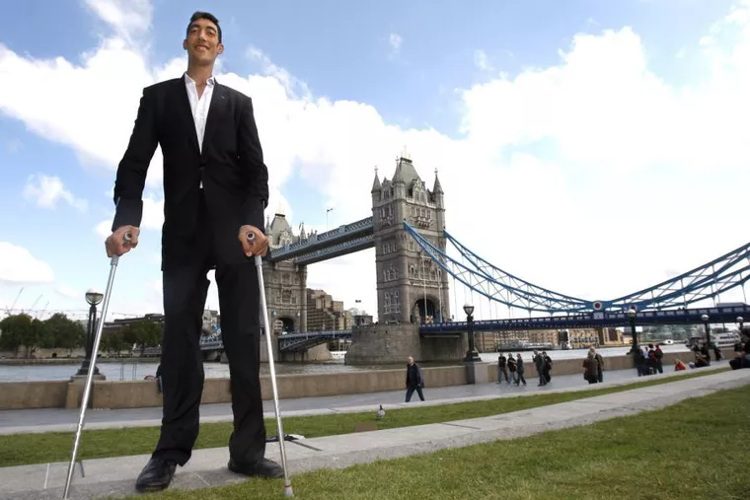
x: 265, y: 468
x: 156, y: 475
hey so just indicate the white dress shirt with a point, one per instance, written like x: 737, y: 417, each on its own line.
x: 199, y: 105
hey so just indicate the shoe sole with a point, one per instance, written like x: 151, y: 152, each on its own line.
x: 151, y: 489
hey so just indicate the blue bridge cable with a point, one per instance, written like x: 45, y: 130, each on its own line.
x: 542, y: 291
x: 703, y: 282
x: 516, y: 297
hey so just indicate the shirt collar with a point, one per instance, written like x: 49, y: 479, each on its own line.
x: 210, y: 82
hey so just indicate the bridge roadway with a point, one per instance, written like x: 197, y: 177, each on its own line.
x: 719, y: 314
x: 334, y: 243
x: 298, y: 342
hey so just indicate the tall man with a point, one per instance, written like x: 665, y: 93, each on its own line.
x: 215, y: 190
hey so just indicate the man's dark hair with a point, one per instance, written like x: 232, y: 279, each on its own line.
x: 203, y: 15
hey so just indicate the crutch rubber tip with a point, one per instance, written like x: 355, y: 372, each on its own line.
x: 288, y: 491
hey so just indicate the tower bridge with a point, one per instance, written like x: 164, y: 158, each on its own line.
x: 415, y: 261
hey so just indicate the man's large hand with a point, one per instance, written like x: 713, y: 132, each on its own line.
x: 122, y: 240
x: 259, y: 243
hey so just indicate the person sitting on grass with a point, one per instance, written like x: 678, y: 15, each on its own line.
x: 701, y: 360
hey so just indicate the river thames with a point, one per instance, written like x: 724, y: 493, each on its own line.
x: 129, y: 369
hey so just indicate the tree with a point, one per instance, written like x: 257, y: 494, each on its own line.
x: 113, y: 342
x: 63, y: 332
x: 21, y: 330
x: 144, y: 332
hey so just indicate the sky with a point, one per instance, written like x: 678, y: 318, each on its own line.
x: 593, y: 148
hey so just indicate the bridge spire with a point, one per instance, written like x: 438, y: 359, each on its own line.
x: 376, y: 183
x: 437, y: 188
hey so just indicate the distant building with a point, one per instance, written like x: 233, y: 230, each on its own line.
x: 324, y: 313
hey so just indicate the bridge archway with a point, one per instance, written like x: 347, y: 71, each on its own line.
x: 425, y: 310
x: 286, y: 324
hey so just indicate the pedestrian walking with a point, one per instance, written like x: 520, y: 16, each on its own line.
x: 414, y: 379
x: 717, y: 353
x: 590, y: 370
x: 519, y: 370
x: 538, y: 361
x: 640, y: 363
x: 658, y: 355
x: 651, y: 359
x: 215, y: 191
x: 547, y: 367
x: 599, y: 366
x: 502, y: 370
x: 512, y: 368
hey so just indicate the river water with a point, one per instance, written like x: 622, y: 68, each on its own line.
x: 137, y: 370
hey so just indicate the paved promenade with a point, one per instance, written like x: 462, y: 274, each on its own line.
x: 115, y: 476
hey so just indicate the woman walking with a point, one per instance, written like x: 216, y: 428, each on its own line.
x: 519, y: 370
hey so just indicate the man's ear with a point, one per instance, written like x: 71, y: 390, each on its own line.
x: 184, y: 44
x: 220, y: 48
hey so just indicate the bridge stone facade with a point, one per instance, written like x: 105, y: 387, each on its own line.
x: 411, y: 288
x: 286, y: 291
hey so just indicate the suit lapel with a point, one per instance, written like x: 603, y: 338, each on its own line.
x: 215, y: 110
x: 187, y: 114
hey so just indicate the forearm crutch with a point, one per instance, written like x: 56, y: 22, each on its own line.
x: 92, y: 368
x: 268, y: 328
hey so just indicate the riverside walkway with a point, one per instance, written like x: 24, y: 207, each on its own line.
x: 115, y: 477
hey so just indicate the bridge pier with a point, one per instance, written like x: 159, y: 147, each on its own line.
x: 315, y: 353
x: 387, y: 344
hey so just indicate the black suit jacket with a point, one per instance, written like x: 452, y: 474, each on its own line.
x: 230, y: 169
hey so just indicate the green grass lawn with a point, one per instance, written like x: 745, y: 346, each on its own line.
x: 55, y: 446
x: 692, y: 450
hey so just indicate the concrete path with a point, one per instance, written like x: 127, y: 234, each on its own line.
x: 66, y: 420
x: 115, y: 476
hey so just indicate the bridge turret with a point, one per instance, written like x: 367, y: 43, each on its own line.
x: 437, y: 191
x: 377, y: 189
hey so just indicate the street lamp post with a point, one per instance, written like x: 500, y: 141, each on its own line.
x: 471, y: 355
x: 93, y: 298
x: 631, y: 316
x: 704, y: 318
x: 328, y: 210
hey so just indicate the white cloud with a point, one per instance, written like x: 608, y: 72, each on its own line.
x: 153, y: 216
x: 69, y: 292
x: 591, y: 176
x: 482, y: 61
x: 47, y: 191
x: 130, y: 19
x: 292, y: 85
x: 18, y: 265
x: 395, y: 41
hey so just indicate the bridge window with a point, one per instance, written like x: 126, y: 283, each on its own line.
x: 391, y: 303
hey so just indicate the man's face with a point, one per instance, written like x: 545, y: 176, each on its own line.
x: 202, y: 42
x: 410, y: 360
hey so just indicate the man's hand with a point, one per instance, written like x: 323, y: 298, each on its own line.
x: 257, y: 246
x: 124, y: 239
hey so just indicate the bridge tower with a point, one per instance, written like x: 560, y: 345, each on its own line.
x: 411, y: 287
